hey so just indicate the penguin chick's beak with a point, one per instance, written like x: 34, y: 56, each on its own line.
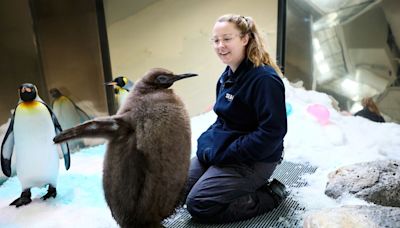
x: 182, y: 76
x: 178, y: 77
x: 167, y: 80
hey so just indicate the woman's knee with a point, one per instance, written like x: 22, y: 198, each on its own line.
x: 195, y: 207
x: 191, y: 206
x: 202, y: 209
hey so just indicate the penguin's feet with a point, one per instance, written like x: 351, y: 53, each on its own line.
x: 23, y: 200
x: 51, y: 192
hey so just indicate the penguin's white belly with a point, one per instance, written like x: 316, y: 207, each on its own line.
x: 37, y: 157
x: 121, y: 97
x: 68, y: 117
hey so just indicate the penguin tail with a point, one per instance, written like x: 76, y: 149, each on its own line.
x: 97, y: 128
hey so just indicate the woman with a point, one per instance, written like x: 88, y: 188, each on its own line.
x: 238, y: 153
x: 370, y: 110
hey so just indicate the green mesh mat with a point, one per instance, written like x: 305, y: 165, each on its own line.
x: 283, y: 216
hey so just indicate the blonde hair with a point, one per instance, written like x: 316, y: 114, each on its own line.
x: 255, y: 49
x: 367, y: 102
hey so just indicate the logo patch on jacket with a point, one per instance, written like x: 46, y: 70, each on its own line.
x: 229, y: 96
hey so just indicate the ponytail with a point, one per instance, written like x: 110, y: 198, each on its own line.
x: 367, y: 102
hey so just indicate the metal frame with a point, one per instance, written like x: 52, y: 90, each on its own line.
x: 281, y: 35
x: 105, y: 54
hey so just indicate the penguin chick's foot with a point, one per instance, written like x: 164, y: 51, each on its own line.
x: 51, y: 192
x: 23, y: 200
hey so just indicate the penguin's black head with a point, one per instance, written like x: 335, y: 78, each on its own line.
x: 119, y: 81
x: 162, y: 78
x: 27, y: 92
x: 55, y: 93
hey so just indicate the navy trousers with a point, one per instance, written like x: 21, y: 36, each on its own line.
x: 221, y: 194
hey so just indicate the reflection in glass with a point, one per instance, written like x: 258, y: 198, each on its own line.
x: 350, y: 50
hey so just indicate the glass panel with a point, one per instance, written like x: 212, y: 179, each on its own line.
x: 350, y: 50
x: 19, y: 61
x: 176, y: 35
x: 52, y: 44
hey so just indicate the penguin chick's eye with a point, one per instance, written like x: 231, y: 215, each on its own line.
x: 162, y: 79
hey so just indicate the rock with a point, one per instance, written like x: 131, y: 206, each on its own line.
x: 354, y: 216
x: 377, y: 182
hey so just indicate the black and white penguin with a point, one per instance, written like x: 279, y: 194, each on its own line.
x: 148, y: 154
x: 122, y: 86
x: 68, y: 114
x: 32, y: 128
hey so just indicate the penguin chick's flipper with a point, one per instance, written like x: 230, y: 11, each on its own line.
x: 99, y: 127
x: 51, y: 192
x: 7, y: 147
x: 64, y: 147
x: 23, y: 200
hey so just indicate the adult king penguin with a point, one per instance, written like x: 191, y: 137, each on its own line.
x: 122, y: 86
x: 148, y: 154
x: 68, y: 114
x: 32, y: 128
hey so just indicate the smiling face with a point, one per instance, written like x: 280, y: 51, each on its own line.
x: 229, y: 43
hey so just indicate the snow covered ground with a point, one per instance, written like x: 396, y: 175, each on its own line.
x: 343, y: 140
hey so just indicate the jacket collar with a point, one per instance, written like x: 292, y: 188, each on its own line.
x: 231, y: 78
x: 243, y: 67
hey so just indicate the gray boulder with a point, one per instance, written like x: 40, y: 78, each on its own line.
x: 377, y: 182
x: 354, y: 216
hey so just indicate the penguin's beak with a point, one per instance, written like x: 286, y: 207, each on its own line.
x: 182, y: 76
x: 110, y: 83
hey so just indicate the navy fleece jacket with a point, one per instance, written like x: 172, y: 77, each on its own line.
x: 251, y: 121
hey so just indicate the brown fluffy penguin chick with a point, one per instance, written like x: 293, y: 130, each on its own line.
x: 148, y: 153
